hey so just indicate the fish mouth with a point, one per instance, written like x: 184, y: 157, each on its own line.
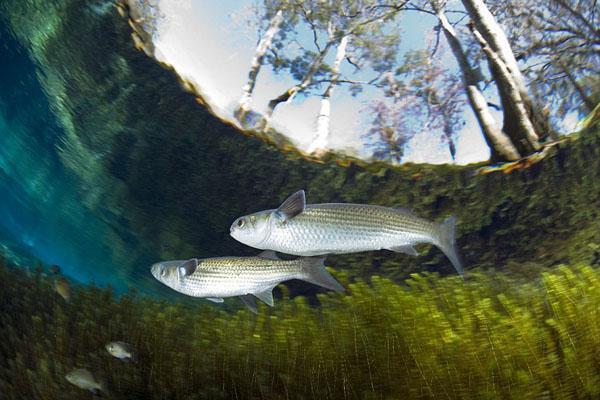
x: 156, y: 270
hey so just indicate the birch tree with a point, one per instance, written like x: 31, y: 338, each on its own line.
x: 273, y: 13
x: 370, y: 53
x: 332, y: 24
x: 244, y: 104
x: 320, y: 141
x: 523, y: 119
x: 524, y: 123
x: 500, y: 144
x: 558, y: 44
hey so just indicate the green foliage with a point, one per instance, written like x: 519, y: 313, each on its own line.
x: 557, y: 46
x: 373, y: 40
x: 491, y: 336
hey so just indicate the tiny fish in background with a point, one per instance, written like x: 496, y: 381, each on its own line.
x: 216, y: 278
x: 121, y: 350
x: 54, y: 269
x: 84, y: 379
x: 338, y: 228
x: 63, y: 288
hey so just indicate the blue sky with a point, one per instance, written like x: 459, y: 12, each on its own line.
x: 207, y: 43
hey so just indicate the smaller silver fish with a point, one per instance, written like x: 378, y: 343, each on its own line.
x: 246, y: 277
x: 63, y: 288
x: 121, y: 350
x: 84, y: 379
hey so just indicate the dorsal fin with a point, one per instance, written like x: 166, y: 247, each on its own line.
x: 269, y: 255
x: 188, y: 267
x: 292, y: 206
x: 404, y: 210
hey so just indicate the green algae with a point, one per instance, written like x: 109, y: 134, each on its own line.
x: 493, y: 336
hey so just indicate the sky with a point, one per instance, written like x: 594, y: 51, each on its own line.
x: 207, y: 43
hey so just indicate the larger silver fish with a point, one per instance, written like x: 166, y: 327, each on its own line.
x: 216, y: 278
x: 333, y: 228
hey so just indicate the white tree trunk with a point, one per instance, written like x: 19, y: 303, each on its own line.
x: 257, y: 61
x: 499, y: 143
x: 494, y: 35
x: 323, y: 121
x: 511, y: 90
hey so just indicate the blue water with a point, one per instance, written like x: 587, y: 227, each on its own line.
x: 42, y: 204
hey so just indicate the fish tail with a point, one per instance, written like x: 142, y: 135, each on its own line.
x: 100, y: 391
x: 447, y: 243
x: 314, y: 271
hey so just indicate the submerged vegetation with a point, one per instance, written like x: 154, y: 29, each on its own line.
x: 491, y: 336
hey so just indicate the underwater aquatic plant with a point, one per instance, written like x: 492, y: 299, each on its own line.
x: 493, y: 336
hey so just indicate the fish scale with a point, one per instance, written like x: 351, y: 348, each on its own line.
x: 336, y: 228
x: 220, y: 277
x: 237, y: 276
x: 346, y: 228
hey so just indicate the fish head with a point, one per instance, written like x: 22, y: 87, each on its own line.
x: 253, y: 230
x: 113, y: 349
x: 62, y: 287
x: 72, y: 377
x: 81, y: 378
x: 110, y: 347
x: 118, y: 350
x: 168, y: 273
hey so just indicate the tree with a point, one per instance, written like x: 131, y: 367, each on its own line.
x: 523, y: 119
x: 331, y: 23
x: 558, y: 42
x: 389, y: 132
x: 424, y: 97
x: 273, y: 13
x: 319, y: 143
x: 371, y: 52
x: 524, y: 123
x: 501, y: 146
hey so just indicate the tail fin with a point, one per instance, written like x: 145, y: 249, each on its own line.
x: 446, y: 242
x: 314, y: 271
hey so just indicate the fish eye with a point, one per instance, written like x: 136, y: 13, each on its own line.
x: 241, y: 222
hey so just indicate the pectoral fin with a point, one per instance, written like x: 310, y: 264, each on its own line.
x: 292, y: 206
x: 250, y: 302
x: 215, y: 299
x: 315, y: 272
x: 269, y: 255
x: 266, y: 296
x: 406, y: 249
